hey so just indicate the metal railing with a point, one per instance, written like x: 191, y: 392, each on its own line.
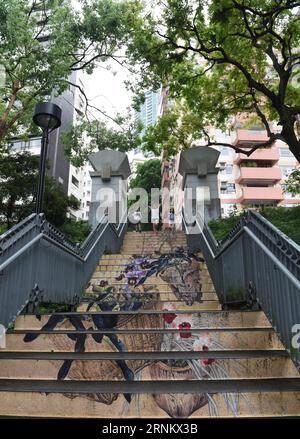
x: 258, y: 264
x: 37, y: 259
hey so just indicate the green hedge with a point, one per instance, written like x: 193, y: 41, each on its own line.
x: 286, y: 219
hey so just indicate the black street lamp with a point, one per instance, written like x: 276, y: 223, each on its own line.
x: 48, y: 117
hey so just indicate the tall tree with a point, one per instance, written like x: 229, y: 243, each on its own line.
x: 223, y: 58
x: 148, y: 175
x: 90, y: 136
x: 19, y: 179
x: 42, y: 42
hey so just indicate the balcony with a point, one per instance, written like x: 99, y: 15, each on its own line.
x: 249, y: 138
x: 266, y: 154
x: 257, y: 175
x: 259, y: 195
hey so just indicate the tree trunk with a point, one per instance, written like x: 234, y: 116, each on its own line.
x: 288, y: 133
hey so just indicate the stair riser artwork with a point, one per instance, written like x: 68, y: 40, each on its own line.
x: 159, y: 370
x: 145, y: 406
x: 153, y: 297
x: 214, y: 319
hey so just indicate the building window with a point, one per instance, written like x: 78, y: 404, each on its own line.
x: 230, y: 188
x: 223, y: 187
x: 75, y: 181
x: 35, y: 143
x: 222, y: 166
x: 228, y: 169
x: 285, y: 152
x: 286, y: 171
x: 227, y: 188
x: 18, y: 145
x: 225, y: 150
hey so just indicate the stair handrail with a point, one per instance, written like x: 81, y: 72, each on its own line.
x: 259, y: 261
x: 33, y: 254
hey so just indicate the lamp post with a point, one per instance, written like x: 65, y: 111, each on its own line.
x: 48, y: 117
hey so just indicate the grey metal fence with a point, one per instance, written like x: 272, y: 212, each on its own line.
x: 255, y: 263
x: 36, y: 258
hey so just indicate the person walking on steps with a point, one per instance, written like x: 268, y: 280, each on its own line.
x: 136, y: 219
x: 168, y: 233
x: 155, y: 217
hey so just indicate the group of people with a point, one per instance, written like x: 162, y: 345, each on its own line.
x: 155, y: 219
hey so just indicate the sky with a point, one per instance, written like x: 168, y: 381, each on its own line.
x: 106, y: 90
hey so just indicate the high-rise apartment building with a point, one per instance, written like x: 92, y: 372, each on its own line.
x: 256, y: 180
x: 244, y: 182
x: 149, y: 110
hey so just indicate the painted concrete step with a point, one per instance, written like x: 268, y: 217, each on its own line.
x: 114, y: 405
x: 223, y: 319
x: 147, y: 356
x: 152, y: 330
x: 164, y: 296
x: 207, y: 305
x: 143, y: 341
x: 152, y: 281
x: 153, y: 386
x: 102, y: 370
x: 179, y: 305
x: 128, y: 256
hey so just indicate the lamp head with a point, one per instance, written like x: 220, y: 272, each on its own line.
x: 47, y: 115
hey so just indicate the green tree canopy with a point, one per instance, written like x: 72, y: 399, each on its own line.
x: 292, y: 183
x: 42, y: 42
x: 19, y: 179
x: 221, y: 58
x: 18, y: 186
x: 148, y: 175
x: 94, y: 135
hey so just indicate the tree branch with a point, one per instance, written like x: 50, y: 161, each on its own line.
x: 247, y: 152
x: 88, y: 105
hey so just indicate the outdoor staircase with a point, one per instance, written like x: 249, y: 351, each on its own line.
x: 144, y: 342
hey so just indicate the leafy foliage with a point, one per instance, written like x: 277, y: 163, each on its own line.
x: 286, y: 219
x: 222, y: 226
x: 292, y: 183
x: 19, y: 179
x: 89, y: 137
x: 18, y: 186
x: 220, y: 59
x: 42, y: 43
x: 57, y: 204
x: 148, y: 175
x: 76, y: 231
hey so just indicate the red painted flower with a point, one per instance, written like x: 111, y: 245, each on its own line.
x: 209, y: 360
x: 185, y: 325
x: 169, y: 317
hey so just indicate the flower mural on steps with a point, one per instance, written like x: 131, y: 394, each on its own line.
x: 181, y: 271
